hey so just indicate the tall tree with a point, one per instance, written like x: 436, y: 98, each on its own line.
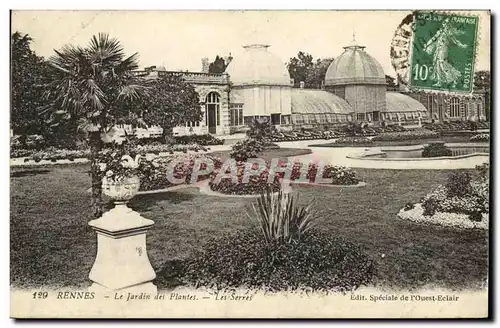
x: 482, y: 80
x: 299, y: 66
x: 27, y: 73
x: 218, y: 65
x: 94, y: 85
x: 171, y: 102
x: 316, y: 74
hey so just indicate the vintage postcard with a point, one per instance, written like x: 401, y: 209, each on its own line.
x: 250, y: 164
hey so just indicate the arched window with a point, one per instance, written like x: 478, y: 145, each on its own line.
x: 212, y: 111
x: 455, y: 107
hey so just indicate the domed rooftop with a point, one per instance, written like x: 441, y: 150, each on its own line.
x: 354, y: 66
x: 398, y: 102
x: 258, y: 66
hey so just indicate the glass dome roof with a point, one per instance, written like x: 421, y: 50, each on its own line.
x: 258, y: 66
x: 354, y: 66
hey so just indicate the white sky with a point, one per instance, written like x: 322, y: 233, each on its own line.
x: 179, y: 39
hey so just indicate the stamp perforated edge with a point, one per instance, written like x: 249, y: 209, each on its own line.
x: 456, y: 93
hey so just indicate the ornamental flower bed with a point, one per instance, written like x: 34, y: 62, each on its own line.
x: 154, y: 171
x: 339, y: 175
x: 462, y: 202
x: 305, y: 135
x: 457, y: 126
x: 55, y: 154
x: 163, y: 148
x: 203, y: 140
x: 483, y: 137
x: 416, y: 214
x: 406, y: 135
x: 285, y: 253
x: 317, y: 262
x: 255, y: 185
x: 353, y: 141
x: 19, y: 152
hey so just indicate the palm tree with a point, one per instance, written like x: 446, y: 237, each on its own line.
x: 96, y: 87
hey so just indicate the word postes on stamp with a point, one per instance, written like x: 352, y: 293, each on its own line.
x: 443, y: 52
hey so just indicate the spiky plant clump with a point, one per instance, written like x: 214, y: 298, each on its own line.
x: 280, y: 218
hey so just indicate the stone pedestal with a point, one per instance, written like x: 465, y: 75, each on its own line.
x: 122, y: 261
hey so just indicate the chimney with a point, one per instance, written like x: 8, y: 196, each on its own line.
x: 302, y: 84
x: 204, y: 65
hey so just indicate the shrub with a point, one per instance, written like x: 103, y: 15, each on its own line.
x: 483, y: 137
x: 318, y: 263
x: 260, y: 129
x: 280, y: 218
x: 458, y: 184
x: 483, y: 171
x: 436, y: 150
x: 245, y: 149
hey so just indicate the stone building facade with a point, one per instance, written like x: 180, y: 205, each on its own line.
x: 443, y: 107
x: 257, y: 84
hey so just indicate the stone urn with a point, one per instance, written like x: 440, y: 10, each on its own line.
x: 121, y: 191
x: 122, y: 262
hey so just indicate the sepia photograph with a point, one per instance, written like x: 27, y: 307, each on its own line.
x: 250, y: 163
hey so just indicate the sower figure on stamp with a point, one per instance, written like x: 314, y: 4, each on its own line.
x: 438, y: 46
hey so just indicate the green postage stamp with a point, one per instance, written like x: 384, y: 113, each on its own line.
x: 443, y: 52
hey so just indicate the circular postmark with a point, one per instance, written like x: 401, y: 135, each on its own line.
x: 401, y: 48
x: 436, y: 51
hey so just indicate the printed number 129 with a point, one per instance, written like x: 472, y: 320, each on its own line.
x: 40, y: 295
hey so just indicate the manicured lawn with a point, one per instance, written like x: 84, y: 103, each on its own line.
x: 448, y: 139
x: 52, y: 245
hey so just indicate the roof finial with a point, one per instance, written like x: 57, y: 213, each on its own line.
x: 354, y: 44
